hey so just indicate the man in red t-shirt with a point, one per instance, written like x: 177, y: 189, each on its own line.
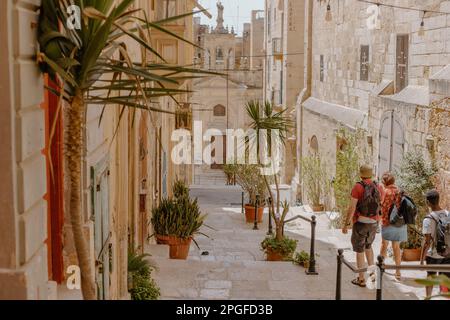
x: 365, y: 209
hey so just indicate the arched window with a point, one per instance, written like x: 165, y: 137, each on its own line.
x: 220, y: 111
x: 219, y: 54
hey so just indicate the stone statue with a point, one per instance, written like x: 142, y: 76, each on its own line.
x: 220, y: 20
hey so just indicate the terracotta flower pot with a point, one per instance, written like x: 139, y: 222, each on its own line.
x: 162, y: 239
x: 179, y: 248
x: 411, y: 254
x: 250, y: 214
x: 274, y: 256
x: 318, y: 208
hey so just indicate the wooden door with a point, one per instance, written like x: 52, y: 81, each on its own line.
x: 219, y: 148
x: 102, y: 234
x: 392, y: 143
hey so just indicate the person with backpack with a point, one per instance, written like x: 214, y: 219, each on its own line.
x: 394, y: 228
x: 436, y: 231
x: 365, y: 210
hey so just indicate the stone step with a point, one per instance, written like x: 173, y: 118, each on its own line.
x: 157, y: 251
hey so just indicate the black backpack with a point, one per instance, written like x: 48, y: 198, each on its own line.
x: 408, y: 210
x: 441, y: 239
x: 370, y: 205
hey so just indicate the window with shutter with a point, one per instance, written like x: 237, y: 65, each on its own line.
x: 401, y: 78
x: 364, y: 67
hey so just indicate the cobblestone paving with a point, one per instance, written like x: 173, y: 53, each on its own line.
x: 235, y: 268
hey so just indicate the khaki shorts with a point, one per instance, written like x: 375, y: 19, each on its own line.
x: 363, y: 236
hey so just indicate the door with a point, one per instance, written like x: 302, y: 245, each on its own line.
x: 102, y: 234
x: 392, y: 143
x: 219, y: 148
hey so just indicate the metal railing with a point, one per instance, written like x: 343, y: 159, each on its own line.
x: 381, y: 267
x: 312, y: 270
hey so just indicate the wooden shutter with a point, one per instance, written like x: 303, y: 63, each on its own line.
x: 364, y: 63
x: 401, y: 79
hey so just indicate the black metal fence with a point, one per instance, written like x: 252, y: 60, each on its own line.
x: 312, y: 270
x: 381, y: 269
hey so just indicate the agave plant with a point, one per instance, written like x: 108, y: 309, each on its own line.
x: 93, y: 66
x: 264, y: 117
x: 180, y: 218
x: 180, y: 190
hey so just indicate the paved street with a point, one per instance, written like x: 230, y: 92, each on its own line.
x: 235, y: 267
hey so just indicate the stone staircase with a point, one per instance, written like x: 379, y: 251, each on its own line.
x: 208, y: 177
x: 231, y: 265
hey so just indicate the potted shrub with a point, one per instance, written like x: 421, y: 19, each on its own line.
x: 141, y: 286
x: 415, y: 177
x: 175, y: 222
x: 180, y: 189
x: 230, y: 172
x: 315, y: 181
x: 251, y: 181
x: 279, y: 250
x: 302, y: 259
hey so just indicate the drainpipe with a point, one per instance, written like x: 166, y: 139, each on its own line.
x: 306, y: 92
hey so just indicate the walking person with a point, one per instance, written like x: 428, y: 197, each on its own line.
x: 365, y: 211
x: 390, y: 232
x: 435, y: 249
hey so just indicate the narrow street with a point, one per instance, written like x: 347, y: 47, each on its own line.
x: 235, y: 268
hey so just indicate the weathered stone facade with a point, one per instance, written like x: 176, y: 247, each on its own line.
x: 355, y: 78
x: 23, y: 213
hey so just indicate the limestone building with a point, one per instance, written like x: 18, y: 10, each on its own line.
x: 284, y: 65
x: 382, y: 68
x: 218, y: 102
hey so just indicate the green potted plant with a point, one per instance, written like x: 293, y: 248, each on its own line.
x: 265, y: 121
x: 176, y: 221
x: 279, y: 250
x: 251, y: 181
x: 141, y: 286
x: 180, y: 189
x: 315, y: 181
x: 415, y: 177
x: 230, y: 172
x: 302, y: 259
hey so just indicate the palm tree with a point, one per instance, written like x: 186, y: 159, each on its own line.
x: 94, y: 67
x: 263, y: 117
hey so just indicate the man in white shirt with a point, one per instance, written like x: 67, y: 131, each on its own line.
x: 429, y: 253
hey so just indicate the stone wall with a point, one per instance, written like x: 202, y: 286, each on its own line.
x: 23, y: 213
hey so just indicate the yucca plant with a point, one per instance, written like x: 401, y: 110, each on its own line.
x: 93, y: 66
x: 264, y: 117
